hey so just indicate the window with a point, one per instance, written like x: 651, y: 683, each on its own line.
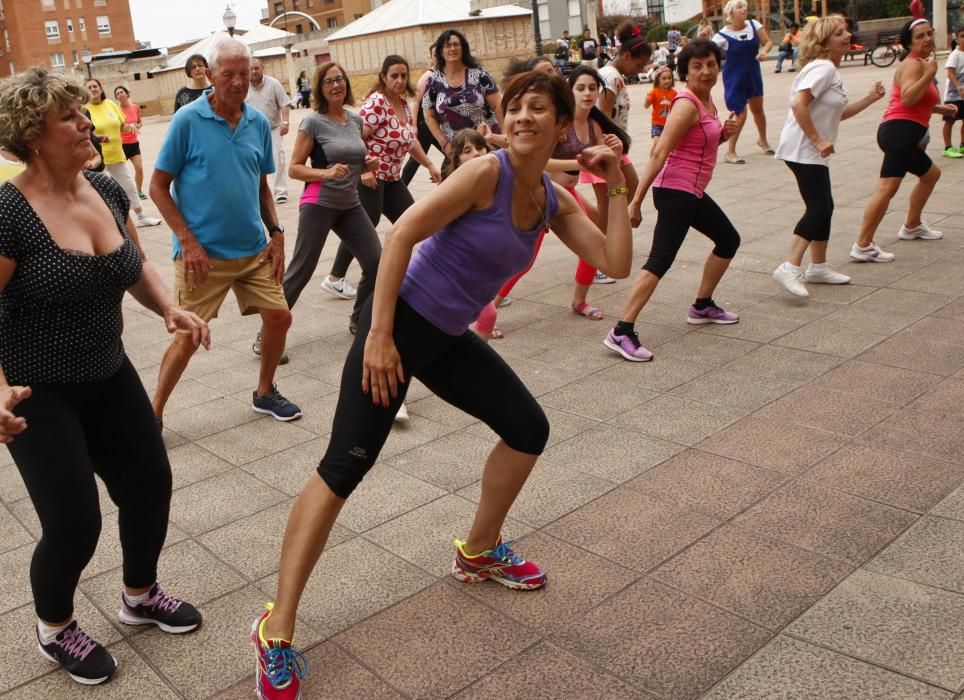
x: 103, y: 25
x: 100, y: 3
x: 73, y: 58
x: 70, y: 26
x: 82, y: 24
x: 47, y: 5
x: 137, y: 76
x: 358, y: 15
x: 6, y: 39
x: 279, y: 8
x: 332, y: 22
x: 57, y: 60
x: 52, y: 29
x: 2, y: 15
x: 66, y: 4
x: 12, y: 69
x: 299, y: 29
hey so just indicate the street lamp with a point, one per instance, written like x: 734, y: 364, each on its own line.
x: 230, y: 20
x: 86, y: 57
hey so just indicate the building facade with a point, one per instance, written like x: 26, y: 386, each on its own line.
x: 56, y: 32
x: 330, y: 14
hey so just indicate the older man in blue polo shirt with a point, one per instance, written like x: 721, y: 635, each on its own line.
x: 217, y: 155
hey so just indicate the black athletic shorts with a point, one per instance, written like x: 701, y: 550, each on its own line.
x: 900, y: 140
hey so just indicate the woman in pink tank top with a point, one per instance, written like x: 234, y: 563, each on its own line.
x: 901, y: 136
x: 678, y: 170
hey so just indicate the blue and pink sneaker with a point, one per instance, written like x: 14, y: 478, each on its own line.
x: 280, y: 666
x: 710, y: 314
x: 628, y: 346
x: 499, y: 564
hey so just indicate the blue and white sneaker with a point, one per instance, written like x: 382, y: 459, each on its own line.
x: 275, y: 405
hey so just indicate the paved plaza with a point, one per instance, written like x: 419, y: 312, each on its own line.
x: 773, y: 509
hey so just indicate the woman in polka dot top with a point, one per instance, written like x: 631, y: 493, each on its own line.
x: 71, y: 403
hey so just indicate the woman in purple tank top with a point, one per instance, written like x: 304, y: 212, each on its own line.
x: 476, y: 230
x: 678, y: 170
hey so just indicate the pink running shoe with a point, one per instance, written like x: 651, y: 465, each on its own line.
x: 711, y: 314
x: 280, y: 667
x: 498, y: 564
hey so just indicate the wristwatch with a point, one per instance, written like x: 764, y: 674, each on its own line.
x: 277, y: 228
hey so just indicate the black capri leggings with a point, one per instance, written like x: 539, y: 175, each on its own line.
x: 461, y: 370
x: 677, y: 211
x: 390, y: 198
x: 900, y: 140
x: 814, y: 183
x: 75, y: 431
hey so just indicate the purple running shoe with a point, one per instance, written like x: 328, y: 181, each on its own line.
x: 628, y: 346
x: 711, y: 314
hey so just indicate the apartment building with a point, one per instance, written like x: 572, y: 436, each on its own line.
x: 330, y: 14
x: 56, y: 32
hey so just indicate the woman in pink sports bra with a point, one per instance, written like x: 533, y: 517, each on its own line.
x: 913, y: 99
x: 678, y: 170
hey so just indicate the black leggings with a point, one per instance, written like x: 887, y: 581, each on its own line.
x: 75, y: 431
x: 677, y: 211
x: 462, y: 370
x: 357, y: 234
x: 900, y: 140
x: 814, y: 183
x: 426, y: 140
x: 390, y: 198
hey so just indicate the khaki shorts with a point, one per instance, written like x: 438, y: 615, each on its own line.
x: 251, y: 281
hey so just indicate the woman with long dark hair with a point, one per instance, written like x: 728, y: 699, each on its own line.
x: 913, y: 99
x: 459, y: 94
x: 476, y: 230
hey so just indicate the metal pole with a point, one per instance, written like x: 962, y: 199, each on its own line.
x: 538, y: 28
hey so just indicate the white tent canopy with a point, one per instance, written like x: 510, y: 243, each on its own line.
x: 257, y: 34
x: 399, y: 14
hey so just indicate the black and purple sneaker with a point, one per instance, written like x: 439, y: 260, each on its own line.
x: 167, y: 612
x: 84, y: 659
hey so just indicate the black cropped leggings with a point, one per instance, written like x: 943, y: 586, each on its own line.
x: 461, y: 370
x: 73, y: 432
x: 677, y: 212
x: 814, y: 183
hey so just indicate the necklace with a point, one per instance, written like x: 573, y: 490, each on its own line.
x: 542, y: 212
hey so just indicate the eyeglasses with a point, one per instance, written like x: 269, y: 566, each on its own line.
x: 195, y: 66
x: 337, y: 80
x: 453, y: 45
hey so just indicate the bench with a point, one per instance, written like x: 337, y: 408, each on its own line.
x: 871, y: 40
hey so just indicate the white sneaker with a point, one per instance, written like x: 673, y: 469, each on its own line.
x: 341, y: 289
x: 402, y: 415
x: 872, y: 253
x: 505, y: 301
x: 603, y: 278
x: 791, y: 281
x: 143, y: 220
x: 824, y: 275
x: 922, y: 231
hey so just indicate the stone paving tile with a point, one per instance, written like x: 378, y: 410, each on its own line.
x: 613, y: 453
x: 11, y: 485
x: 902, y: 302
x: 12, y: 533
x: 772, y: 444
x: 661, y: 640
x: 758, y: 328
x: 597, y: 398
x: 899, y: 479
x: 385, y: 494
x: 664, y: 373
x: 424, y: 535
x: 878, y: 382
x: 14, y: 582
x: 928, y: 434
x: 952, y: 506
x: 911, y: 351
x: 289, y: 470
x: 562, y: 427
x: 550, y: 673
x: 220, y: 500
x: 725, y: 388
x: 828, y: 410
x: 928, y: 553
x: 786, y: 364
x: 713, y: 350
x: 254, y: 440
x: 827, y: 522
x: 831, y: 336
x: 579, y: 580
x: 792, y: 668
x: 440, y: 658
x: 449, y: 463
x: 208, y: 418
x: 694, y: 479
x: 946, y: 398
x: 133, y: 679
x: 679, y: 420
x: 191, y: 463
x: 353, y: 581
x: 747, y: 574
x: 899, y: 624
x: 632, y: 528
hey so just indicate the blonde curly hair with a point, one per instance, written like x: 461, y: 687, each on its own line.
x: 815, y: 36
x: 27, y: 99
